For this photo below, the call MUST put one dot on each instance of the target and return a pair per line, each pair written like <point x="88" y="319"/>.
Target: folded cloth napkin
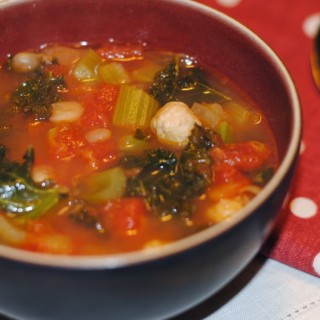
<point x="265" y="290"/>
<point x="288" y="27"/>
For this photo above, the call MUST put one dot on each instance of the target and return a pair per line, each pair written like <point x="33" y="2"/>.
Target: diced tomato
<point x="57" y="69"/>
<point x="228" y="182"/>
<point x="105" y="152"/>
<point x="245" y="156"/>
<point x="66" y="141"/>
<point x="98" y="106"/>
<point x="125" y="216"/>
<point x="121" y="52"/>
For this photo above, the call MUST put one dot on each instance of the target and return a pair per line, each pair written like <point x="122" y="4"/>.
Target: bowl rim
<point x="127" y="259"/>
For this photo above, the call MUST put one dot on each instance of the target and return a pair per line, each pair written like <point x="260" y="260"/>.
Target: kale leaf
<point x="169" y="183"/>
<point x="180" y="82"/>
<point x="18" y="194"/>
<point x="36" y="94"/>
<point x="262" y="175"/>
<point x="81" y="214"/>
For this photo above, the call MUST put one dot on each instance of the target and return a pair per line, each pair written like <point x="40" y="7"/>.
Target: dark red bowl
<point x="164" y="281"/>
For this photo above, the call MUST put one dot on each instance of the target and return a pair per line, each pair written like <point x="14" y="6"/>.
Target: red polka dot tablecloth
<point x="288" y="27"/>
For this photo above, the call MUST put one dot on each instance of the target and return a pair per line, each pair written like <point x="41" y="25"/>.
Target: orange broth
<point x="242" y="155"/>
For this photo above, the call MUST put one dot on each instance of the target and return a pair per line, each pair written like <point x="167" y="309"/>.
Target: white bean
<point x="26" y="61"/>
<point x="66" y="111"/>
<point x="96" y="135"/>
<point x="41" y="173"/>
<point x="66" y="56"/>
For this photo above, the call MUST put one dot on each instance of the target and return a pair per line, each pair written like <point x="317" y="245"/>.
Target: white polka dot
<point x="302" y="147"/>
<point x="228" y="3"/>
<point x="303" y="207"/>
<point x="311" y="24"/>
<point x="316" y="263"/>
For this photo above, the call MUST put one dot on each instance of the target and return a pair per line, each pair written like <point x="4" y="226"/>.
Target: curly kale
<point x="180" y="82"/>
<point x="168" y="182"/>
<point x="81" y="214"/>
<point x="19" y="195"/>
<point x="36" y="94"/>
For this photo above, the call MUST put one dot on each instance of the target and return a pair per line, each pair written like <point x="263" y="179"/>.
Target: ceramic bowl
<point x="163" y="282"/>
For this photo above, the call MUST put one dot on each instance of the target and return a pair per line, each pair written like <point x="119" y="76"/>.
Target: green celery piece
<point x="241" y="113"/>
<point x="10" y="233"/>
<point x="225" y="131"/>
<point x="130" y="143"/>
<point x="86" y="68"/>
<point x="113" y="73"/>
<point x="147" y="72"/>
<point x="102" y="186"/>
<point x="135" y="108"/>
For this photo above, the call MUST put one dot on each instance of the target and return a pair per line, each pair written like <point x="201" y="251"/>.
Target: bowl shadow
<point x="225" y="295"/>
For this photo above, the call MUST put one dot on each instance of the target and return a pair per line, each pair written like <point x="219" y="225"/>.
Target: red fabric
<point x="296" y="240"/>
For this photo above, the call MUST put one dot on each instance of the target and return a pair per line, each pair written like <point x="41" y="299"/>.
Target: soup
<point x="115" y="147"/>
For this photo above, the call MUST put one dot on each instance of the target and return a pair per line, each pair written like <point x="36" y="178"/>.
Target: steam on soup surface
<point x="117" y="148"/>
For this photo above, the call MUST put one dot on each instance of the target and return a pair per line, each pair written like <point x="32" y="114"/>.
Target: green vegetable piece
<point x="241" y="114"/>
<point x="36" y="94"/>
<point x="262" y="176"/>
<point x="146" y="73"/>
<point x="135" y="108"/>
<point x="103" y="186"/>
<point x="169" y="183"/>
<point x="131" y="144"/>
<point x="81" y="215"/>
<point x="180" y="82"/>
<point x="86" y="69"/>
<point x="113" y="73"/>
<point x="136" y="143"/>
<point x="165" y="83"/>
<point x="225" y="131"/>
<point x="10" y="233"/>
<point x="19" y="195"/>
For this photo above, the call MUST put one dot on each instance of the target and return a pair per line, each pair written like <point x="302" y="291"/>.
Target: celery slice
<point x="10" y="233"/>
<point x="113" y="73"/>
<point x="241" y="113"/>
<point x="147" y="72"/>
<point x="131" y="144"/>
<point x="86" y="68"/>
<point x="135" y="108"/>
<point x="225" y="131"/>
<point x="103" y="186"/>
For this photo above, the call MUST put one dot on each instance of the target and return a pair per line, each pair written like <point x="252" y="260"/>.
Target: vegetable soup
<point x="115" y="147"/>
